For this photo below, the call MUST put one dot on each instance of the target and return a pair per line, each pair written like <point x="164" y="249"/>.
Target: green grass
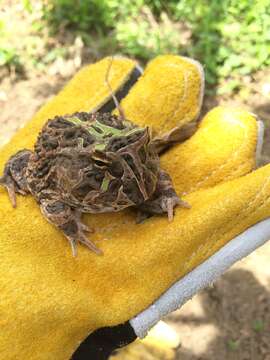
<point x="233" y="345"/>
<point x="258" y="325"/>
<point x="231" y="38"/>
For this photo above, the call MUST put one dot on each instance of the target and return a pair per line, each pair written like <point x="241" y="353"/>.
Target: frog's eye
<point x="100" y="163"/>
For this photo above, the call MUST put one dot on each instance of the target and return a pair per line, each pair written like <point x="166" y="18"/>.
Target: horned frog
<point x="92" y="163"/>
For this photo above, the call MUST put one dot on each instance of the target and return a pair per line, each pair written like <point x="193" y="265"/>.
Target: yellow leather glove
<point x="50" y="301"/>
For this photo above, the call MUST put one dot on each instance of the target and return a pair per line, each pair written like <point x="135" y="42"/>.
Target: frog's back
<point x="62" y="165"/>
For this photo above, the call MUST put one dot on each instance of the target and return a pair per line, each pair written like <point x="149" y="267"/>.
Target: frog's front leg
<point x="69" y="221"/>
<point x="14" y="177"/>
<point x="162" y="201"/>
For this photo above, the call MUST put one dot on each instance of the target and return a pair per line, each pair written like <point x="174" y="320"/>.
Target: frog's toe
<point x="85" y="241"/>
<point x="11" y="187"/>
<point x="184" y="204"/>
<point x="78" y="236"/>
<point x="73" y="244"/>
<point x="86" y="228"/>
<point x="168" y="206"/>
<point x="170" y="209"/>
<point x="14" y="179"/>
<point x="170" y="203"/>
<point x="22" y="192"/>
<point x="81" y="225"/>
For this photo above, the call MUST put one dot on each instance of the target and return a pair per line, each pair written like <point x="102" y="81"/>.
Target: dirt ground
<point x="230" y="320"/>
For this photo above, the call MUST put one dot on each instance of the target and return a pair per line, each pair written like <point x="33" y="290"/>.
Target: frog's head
<point x="124" y="164"/>
<point x="129" y="163"/>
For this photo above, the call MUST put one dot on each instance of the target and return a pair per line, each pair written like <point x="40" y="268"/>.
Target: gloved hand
<point x="50" y="301"/>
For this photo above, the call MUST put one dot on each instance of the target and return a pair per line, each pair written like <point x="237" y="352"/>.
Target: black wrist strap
<point x="103" y="342"/>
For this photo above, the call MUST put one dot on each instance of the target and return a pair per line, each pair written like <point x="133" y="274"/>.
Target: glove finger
<point x="224" y="147"/>
<point x="87" y="91"/>
<point x="168" y="94"/>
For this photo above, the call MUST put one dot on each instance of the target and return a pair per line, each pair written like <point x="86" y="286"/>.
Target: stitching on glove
<point x="200" y="249"/>
<point x="186" y="74"/>
<point x="232" y="175"/>
<point x="181" y="100"/>
<point x="234" y="170"/>
<point x="199" y="67"/>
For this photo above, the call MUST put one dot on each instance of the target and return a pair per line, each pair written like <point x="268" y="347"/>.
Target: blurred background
<point x="44" y="42"/>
